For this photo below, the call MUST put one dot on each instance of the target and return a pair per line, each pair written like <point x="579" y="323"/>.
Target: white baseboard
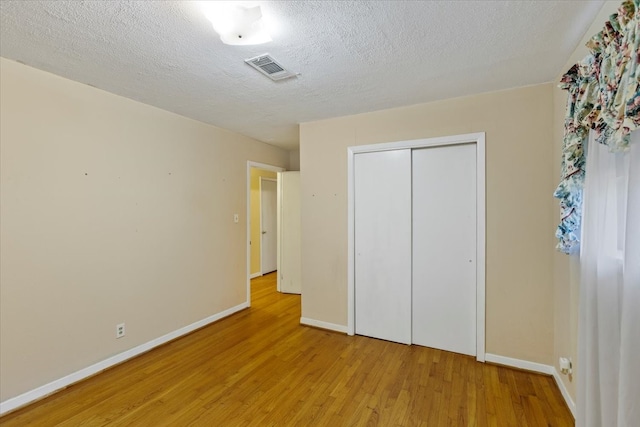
<point x="254" y="275"/>
<point x="52" y="387"/>
<point x="535" y="367"/>
<point x="565" y="393"/>
<point x="323" y="325"/>
<point x="520" y="364"/>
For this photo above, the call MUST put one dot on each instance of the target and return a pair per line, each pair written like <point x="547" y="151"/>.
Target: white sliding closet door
<point x="444" y="248"/>
<point x="382" y="208"/>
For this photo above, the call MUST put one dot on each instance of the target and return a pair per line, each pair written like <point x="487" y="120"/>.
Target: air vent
<point x="269" y="67"/>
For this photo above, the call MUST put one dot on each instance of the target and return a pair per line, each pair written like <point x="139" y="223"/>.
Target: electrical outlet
<point x="120" y="330"/>
<point x="566" y="366"/>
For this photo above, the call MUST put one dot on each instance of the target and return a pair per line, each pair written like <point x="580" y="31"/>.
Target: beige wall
<point x="294" y="160"/>
<point x="520" y="224"/>
<point x="112" y="211"/>
<point x="255" y="215"/>
<point x="566" y="269"/>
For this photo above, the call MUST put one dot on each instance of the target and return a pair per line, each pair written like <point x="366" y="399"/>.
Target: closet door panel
<point x="383" y="245"/>
<point x="444" y="248"/>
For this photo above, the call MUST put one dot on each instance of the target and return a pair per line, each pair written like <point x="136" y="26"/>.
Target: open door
<point x="268" y="226"/>
<point x="289" y="277"/>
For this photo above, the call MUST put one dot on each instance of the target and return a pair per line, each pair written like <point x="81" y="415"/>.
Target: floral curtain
<point x="603" y="95"/>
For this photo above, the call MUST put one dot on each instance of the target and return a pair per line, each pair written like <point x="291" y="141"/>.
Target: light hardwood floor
<point x="259" y="367"/>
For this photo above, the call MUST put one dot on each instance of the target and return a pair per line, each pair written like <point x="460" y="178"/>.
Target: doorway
<point x="268" y="225"/>
<point x="410" y="280"/>
<point x="255" y="171"/>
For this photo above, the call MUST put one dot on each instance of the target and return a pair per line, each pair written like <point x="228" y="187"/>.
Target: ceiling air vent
<point x="269" y="67"/>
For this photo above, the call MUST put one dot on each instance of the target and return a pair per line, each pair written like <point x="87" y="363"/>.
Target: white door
<point x="444" y="248"/>
<point x="382" y="209"/>
<point x="289" y="277"/>
<point x="268" y="225"/>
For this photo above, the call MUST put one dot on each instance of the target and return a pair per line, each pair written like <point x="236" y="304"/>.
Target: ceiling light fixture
<point x="238" y="23"/>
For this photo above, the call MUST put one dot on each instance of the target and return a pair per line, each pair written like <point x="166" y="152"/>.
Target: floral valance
<point x="603" y="96"/>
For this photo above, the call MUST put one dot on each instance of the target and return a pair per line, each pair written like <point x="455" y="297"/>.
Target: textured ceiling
<point x="353" y="56"/>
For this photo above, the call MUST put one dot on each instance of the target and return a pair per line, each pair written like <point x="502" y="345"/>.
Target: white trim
<point x="254" y="275"/>
<point x="279" y="230"/>
<point x="479" y="140"/>
<point x="52" y="387"/>
<point x="351" y="286"/>
<point x="535" y="367"/>
<point x="420" y="143"/>
<point x="565" y="393"/>
<point x="260" y="219"/>
<point x="263" y="166"/>
<point x="323" y="325"/>
<point x="480" y="246"/>
<point x="520" y="364"/>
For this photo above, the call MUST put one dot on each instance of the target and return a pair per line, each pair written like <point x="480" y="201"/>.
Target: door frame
<point x="472" y="138"/>
<point x="257" y="165"/>
<point x="261" y="235"/>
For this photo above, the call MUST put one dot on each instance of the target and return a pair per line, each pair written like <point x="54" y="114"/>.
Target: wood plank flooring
<point x="259" y="367"/>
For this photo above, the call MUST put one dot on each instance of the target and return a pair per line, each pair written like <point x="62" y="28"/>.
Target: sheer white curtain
<point x="609" y="322"/>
